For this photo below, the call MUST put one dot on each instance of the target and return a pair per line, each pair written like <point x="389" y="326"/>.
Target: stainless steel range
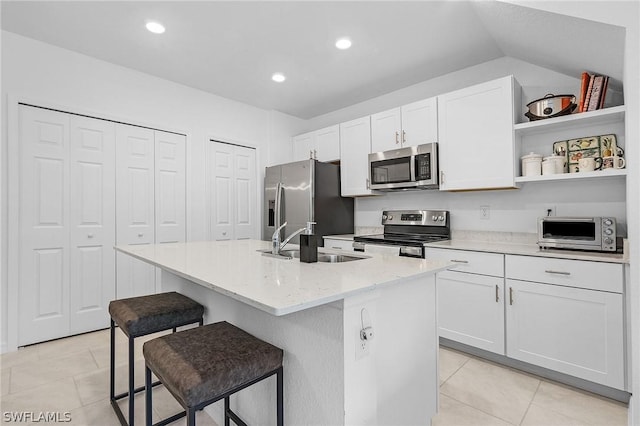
<point x="407" y="231"/>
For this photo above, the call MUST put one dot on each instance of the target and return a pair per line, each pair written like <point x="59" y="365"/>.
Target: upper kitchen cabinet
<point x="355" y="147"/>
<point x="410" y="125"/>
<point x="322" y="145"/>
<point x="476" y="136"/>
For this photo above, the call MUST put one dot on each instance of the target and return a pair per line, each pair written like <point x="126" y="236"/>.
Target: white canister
<point x="553" y="164"/>
<point x="531" y="164"/>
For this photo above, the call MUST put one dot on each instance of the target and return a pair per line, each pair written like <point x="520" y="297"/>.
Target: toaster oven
<point x="578" y="233"/>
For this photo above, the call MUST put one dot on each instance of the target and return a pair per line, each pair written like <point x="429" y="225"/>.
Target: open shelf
<point x="598" y="174"/>
<point x="607" y="115"/>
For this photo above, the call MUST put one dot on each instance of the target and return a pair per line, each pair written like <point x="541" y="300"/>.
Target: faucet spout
<point x="286" y="241"/>
<point x="275" y="240"/>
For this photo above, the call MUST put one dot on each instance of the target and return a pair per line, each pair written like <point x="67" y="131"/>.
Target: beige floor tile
<point x="73" y="344"/>
<point x="101" y="354"/>
<point x="498" y="391"/>
<point x="60" y="395"/>
<point x="21" y="356"/>
<point x="202" y="419"/>
<point x="539" y="416"/>
<point x="5" y="380"/>
<point x="587" y="408"/>
<point x="455" y="413"/>
<point x="164" y="403"/>
<point x="37" y="373"/>
<point x="450" y="361"/>
<point x="99" y="413"/>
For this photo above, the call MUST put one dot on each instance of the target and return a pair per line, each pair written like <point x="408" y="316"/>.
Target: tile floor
<point x="72" y="375"/>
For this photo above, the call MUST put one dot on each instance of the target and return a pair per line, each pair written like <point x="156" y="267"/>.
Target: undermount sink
<point x="322" y="256"/>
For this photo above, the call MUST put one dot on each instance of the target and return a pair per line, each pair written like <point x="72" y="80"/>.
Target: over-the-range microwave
<point x="578" y="233"/>
<point x="413" y="167"/>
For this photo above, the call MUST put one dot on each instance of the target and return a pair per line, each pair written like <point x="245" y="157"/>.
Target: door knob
<point x="89" y="235"/>
<point x="140" y="234"/>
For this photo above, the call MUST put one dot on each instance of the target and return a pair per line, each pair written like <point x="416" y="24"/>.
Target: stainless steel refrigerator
<point x="309" y="191"/>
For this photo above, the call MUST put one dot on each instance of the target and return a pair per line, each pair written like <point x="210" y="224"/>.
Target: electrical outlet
<point x="362" y="346"/>
<point x="549" y="210"/>
<point x="485" y="212"/>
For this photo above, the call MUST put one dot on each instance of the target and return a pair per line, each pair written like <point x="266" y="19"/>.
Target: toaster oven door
<point x="571" y="233"/>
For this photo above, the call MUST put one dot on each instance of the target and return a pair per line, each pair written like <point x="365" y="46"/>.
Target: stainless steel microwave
<point x="413" y="167"/>
<point x="578" y="233"/>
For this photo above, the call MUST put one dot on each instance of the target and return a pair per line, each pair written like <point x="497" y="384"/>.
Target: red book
<point x="588" y="94"/>
<point x="603" y="92"/>
<point x="596" y="91"/>
<point x="584" y="83"/>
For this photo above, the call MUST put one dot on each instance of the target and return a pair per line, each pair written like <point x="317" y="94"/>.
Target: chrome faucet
<point x="276" y="245"/>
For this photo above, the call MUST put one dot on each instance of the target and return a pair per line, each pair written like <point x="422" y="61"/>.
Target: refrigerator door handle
<point x="278" y="218"/>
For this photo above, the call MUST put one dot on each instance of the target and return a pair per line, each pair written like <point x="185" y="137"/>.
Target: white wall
<point x="41" y="72"/>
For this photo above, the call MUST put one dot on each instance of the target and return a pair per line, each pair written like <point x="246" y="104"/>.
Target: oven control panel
<point x="416" y="217"/>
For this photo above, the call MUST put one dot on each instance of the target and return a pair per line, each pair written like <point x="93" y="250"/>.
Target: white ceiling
<point x="232" y="48"/>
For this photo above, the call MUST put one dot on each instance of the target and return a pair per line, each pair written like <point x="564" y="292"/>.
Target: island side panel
<point x="313" y="346"/>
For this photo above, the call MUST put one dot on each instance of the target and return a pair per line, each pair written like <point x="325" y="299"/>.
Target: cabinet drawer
<point x="470" y="261"/>
<point x="571" y="273"/>
<point x="338" y="244"/>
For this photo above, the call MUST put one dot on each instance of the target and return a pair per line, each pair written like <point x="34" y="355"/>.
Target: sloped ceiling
<point x="232" y="48"/>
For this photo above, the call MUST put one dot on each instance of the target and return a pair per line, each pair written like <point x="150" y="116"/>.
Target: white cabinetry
<point x="410" y="125"/>
<point x="322" y="145"/>
<point x="470" y="298"/>
<point x="567" y="316"/>
<point x="150" y="200"/>
<point x="355" y="147"/>
<point x="476" y="137"/>
<point x="338" y="244"/>
<point x="66" y="224"/>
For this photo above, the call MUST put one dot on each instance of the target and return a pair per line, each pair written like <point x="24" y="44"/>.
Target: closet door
<point x="232" y="192"/>
<point x="170" y="187"/>
<point x="92" y="223"/>
<point x="44" y="225"/>
<point x="134" y="207"/>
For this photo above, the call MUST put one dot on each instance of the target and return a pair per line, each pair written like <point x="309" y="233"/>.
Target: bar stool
<point x="202" y="365"/>
<point x="139" y="316"/>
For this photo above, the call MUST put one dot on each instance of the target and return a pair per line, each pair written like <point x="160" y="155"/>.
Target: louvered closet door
<point x="92" y="223"/>
<point x="134" y="207"/>
<point x="170" y="187"/>
<point x="44" y="225"/>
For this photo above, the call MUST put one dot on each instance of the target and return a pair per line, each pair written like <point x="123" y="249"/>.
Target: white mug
<point x="590" y="164"/>
<point x="613" y="162"/>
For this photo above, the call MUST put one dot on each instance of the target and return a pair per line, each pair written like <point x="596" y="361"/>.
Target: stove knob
<point x="434" y="218"/>
<point x="608" y="240"/>
<point x="441" y="218"/>
<point x="608" y="231"/>
<point x="390" y="217"/>
<point x="607" y="222"/>
<point x="384" y="217"/>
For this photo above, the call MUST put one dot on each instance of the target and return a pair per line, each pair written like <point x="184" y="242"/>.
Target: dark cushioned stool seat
<point x="201" y="365"/>
<point x="138" y="316"/>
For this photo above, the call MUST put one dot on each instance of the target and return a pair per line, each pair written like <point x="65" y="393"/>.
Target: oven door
<point x="570" y="233"/>
<point x="405" y="168"/>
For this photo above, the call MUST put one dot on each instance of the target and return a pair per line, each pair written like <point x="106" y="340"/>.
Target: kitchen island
<point x="315" y="312"/>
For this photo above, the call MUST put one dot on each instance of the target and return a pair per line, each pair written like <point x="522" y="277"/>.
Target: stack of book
<point x="593" y="89"/>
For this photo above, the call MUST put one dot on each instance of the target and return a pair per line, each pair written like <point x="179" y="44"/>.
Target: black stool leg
<point x="226" y="411"/>
<point x="280" y="407"/>
<point x="112" y="362"/>
<point x="191" y="416"/>
<point x="148" y="389"/>
<point x="131" y="382"/>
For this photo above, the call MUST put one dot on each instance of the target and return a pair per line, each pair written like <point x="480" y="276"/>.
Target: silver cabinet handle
<point x="368" y="186"/>
<point x="404" y="136"/>
<point x="310" y="154"/>
<point x="441" y="176"/>
<point x="459" y="261"/>
<point x="397" y="140"/>
<point x="511" y="295"/>
<point x="140" y="234"/>
<point x="89" y="235"/>
<point x="315" y="154"/>
<point x="497" y="293"/>
<point x="549" y="271"/>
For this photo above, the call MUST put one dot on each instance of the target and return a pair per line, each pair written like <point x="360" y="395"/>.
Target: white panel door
<point x="385" y="130"/>
<point x="134" y="207"/>
<point x="44" y="225"/>
<point x="170" y="187"/>
<point x="575" y="331"/>
<point x="232" y="192"/>
<point x="92" y="223"/>
<point x="355" y="147"/>
<point x="471" y="309"/>
<point x="420" y="122"/>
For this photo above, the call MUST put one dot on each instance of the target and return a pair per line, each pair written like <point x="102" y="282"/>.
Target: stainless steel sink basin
<point x="322" y="256"/>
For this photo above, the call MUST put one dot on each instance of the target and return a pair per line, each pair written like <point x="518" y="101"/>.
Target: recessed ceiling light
<point x="278" y="77"/>
<point x="343" y="43"/>
<point x="155" y="27"/>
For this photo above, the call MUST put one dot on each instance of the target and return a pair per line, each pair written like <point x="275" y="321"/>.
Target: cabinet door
<point x="135" y="221"/>
<point x="571" y="330"/>
<point x="170" y="187"/>
<point x="303" y="146"/>
<point x="337" y="244"/>
<point x="471" y="309"/>
<point x="385" y="130"/>
<point x="355" y="147"/>
<point x="328" y="144"/>
<point x="420" y="122"/>
<point x="92" y="223"/>
<point x="476" y="136"/>
<point x="44" y="225"/>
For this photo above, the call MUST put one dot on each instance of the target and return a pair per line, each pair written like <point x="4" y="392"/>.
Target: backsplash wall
<point x="514" y="210"/>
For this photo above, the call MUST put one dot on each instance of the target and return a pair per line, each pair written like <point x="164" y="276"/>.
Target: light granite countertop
<point x="278" y="286"/>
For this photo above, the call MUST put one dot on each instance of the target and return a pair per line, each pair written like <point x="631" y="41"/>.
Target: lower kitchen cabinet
<point x="471" y="310"/>
<point x="338" y="244"/>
